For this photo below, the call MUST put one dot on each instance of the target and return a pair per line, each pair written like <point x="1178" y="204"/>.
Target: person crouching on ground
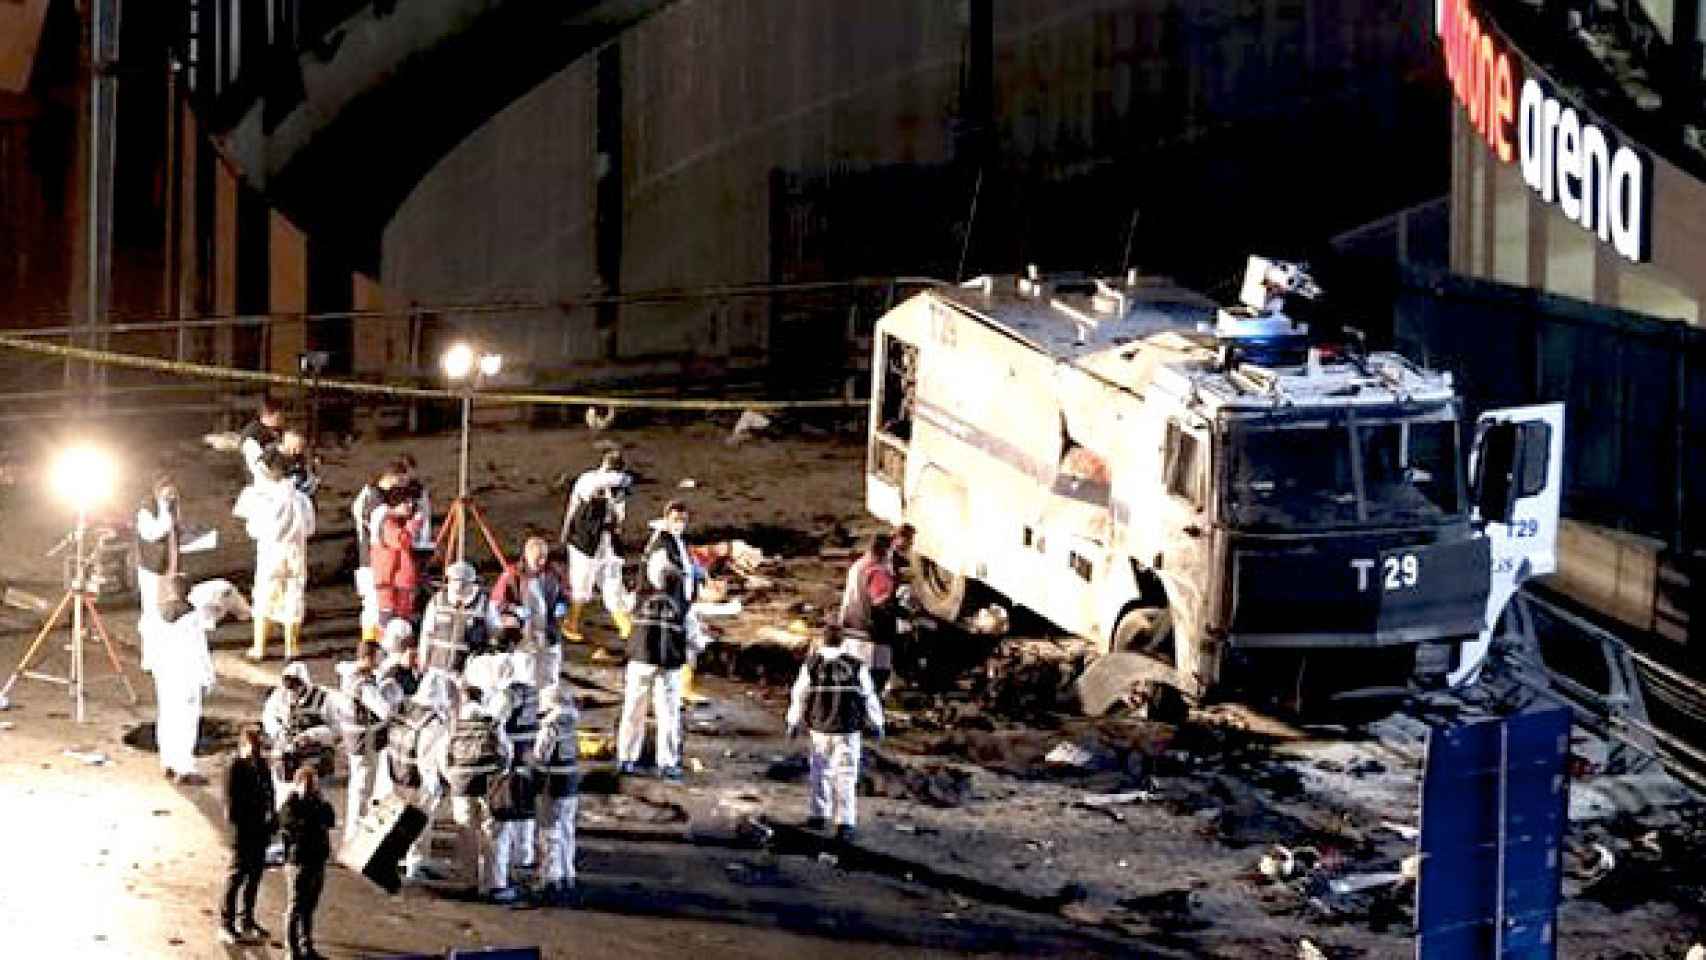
<point x="666" y="636"/>
<point x="835" y="700"/>
<point x="249" y="812"/>
<point x="306" y="821"/>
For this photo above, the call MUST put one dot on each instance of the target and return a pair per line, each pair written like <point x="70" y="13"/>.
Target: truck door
<point x="894" y="383"/>
<point x="1516" y="478"/>
<point x="1183" y="560"/>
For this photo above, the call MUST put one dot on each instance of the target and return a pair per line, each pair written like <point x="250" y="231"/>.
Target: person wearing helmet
<point x="556" y="756"/>
<point x="458" y="622"/>
<point x="592" y="528"/>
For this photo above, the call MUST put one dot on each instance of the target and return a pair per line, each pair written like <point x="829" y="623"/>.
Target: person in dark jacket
<point x="666" y="636"/>
<point x="306" y="820"/>
<point x="249" y="811"/>
<point x="835" y="700"/>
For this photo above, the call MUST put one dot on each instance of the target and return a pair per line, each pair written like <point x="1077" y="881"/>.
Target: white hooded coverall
<point x="177" y="656"/>
<point x="360" y="690"/>
<point x="280" y="518"/>
<point x="559" y="797"/>
<point x="601" y="572"/>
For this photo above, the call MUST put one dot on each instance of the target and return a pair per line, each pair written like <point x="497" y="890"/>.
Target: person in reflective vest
<point x="868" y="609"/>
<point x="556" y="770"/>
<point x="591" y="532"/>
<point x="458" y="622"/>
<point x="297" y="719"/>
<point x="534" y="592"/>
<point x="835" y="701"/>
<point x="416" y="750"/>
<point x="160" y="536"/>
<point x="666" y="635"/>
<point x="364" y="721"/>
<point x="400" y="671"/>
<point x="668" y="548"/>
<point x="518" y="704"/>
<point x="475" y="752"/>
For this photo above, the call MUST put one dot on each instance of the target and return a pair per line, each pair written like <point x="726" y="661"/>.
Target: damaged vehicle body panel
<point x="1098" y="452"/>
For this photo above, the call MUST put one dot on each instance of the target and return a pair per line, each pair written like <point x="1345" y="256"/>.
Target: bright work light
<point x="459" y="361"/>
<point x="83" y="476"/>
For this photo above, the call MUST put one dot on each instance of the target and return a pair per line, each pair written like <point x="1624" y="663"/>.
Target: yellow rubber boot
<point x="624" y="624"/>
<point x="572" y="623"/>
<point x="292" y="638"/>
<point x="688" y="694"/>
<point x="259" y="650"/>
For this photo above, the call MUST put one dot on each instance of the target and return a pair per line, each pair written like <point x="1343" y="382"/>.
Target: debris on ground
<point x="687" y="483"/>
<point x="93" y="758"/>
<point x="1112" y="679"/>
<point x="1284" y="863"/>
<point x="1307" y="950"/>
<point x="750" y="422"/>
<point x="1069" y="754"/>
<point x="991" y="621"/>
<point x="598" y="421"/>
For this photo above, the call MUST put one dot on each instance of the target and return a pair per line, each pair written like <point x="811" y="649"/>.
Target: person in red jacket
<point x="396" y="573"/>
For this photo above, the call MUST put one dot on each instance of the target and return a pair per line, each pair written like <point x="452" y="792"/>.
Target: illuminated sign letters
<point x="1566" y="158"/>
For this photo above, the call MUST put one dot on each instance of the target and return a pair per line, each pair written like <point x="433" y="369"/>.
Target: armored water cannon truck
<point x="1146" y="469"/>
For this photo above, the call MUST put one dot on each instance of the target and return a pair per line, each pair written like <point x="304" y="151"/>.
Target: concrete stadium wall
<point x="737" y="118"/>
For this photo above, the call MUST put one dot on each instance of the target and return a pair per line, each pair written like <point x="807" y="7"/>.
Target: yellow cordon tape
<point x="487" y="397"/>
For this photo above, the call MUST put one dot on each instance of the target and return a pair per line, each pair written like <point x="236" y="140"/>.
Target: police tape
<point x="487" y="397"/>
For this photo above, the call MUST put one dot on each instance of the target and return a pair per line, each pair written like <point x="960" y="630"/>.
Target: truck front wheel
<point x="940" y="592"/>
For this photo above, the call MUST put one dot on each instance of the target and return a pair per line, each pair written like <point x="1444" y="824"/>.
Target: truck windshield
<point x="1341" y="473"/>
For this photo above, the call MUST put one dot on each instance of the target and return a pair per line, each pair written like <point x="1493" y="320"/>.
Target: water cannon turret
<point x="1268" y="282"/>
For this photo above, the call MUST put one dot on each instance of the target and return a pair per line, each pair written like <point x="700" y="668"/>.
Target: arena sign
<point x="1566" y="158"/>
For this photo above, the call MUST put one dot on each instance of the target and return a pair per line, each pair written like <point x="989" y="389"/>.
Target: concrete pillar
<point x="287" y="279"/>
<point x="224" y="257"/>
<point x="381" y="343"/>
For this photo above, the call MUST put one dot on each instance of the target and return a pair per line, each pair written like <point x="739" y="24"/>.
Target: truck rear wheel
<point x="1143" y="630"/>
<point x="941" y="593"/>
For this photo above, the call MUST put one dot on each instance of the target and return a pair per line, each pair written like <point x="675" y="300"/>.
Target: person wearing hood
<point x="668" y="548"/>
<point x="666" y="636"/>
<point x="835" y="701"/>
<point x="364" y="716"/>
<point x="415" y="755"/>
<point x="556" y="772"/>
<point x="515" y="699"/>
<point x="459" y="621"/>
<point x="177" y="657"/>
<point x="476" y="752"/>
<point x="396" y="523"/>
<point x="535" y="594"/>
<point x="280" y="518"/>
<point x="400" y="670"/>
<point x="298" y="718"/>
<point x="592" y="527"/>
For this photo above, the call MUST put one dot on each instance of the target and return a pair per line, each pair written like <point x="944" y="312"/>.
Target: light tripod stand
<point x="466" y="366"/>
<point x="81" y="601"/>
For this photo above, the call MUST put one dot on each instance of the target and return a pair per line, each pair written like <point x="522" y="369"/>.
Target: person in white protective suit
<point x="475" y="753"/>
<point x="364" y="711"/>
<point x="280" y="518"/>
<point x="459" y="621"/>
<point x="592" y="522"/>
<point x="515" y="700"/>
<point x="176" y="655"/>
<point x="415" y="753"/>
<point x="666" y="636"/>
<point x="298" y="716"/>
<point x="835" y="700"/>
<point x="556" y="771"/>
